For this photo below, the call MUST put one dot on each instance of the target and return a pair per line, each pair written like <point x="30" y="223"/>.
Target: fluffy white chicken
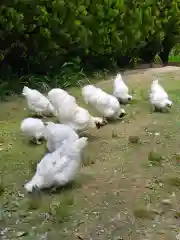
<point x="107" y="105"/>
<point x="71" y="114"/>
<point x="58" y="168"/>
<point x="121" y="91"/>
<point x="55" y="134"/>
<point x="37" y="102"/>
<point x="89" y="92"/>
<point x="57" y="95"/>
<point x="33" y="129"/>
<point x="158" y="97"/>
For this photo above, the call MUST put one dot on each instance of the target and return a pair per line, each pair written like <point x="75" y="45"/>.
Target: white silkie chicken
<point x="71" y="114"/>
<point x="33" y="129"/>
<point x="58" y="168"/>
<point x="55" y="134"/>
<point x="107" y="105"/>
<point x="121" y="91"/>
<point x="37" y="102"/>
<point x="158" y="97"/>
<point x="56" y="95"/>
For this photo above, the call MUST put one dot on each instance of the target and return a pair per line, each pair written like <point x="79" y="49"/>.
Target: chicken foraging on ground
<point x="33" y="129"/>
<point x="58" y="168"/>
<point x="158" y="97"/>
<point x="121" y="90"/>
<point x="38" y="103"/>
<point x="71" y="114"/>
<point x="55" y="134"/>
<point x="106" y="104"/>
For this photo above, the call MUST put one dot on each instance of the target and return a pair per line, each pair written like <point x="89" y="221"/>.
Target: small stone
<point x="173" y="194"/>
<point x="21" y="234"/>
<point x="118" y="238"/>
<point x="166" y="202"/>
<point x="20" y="195"/>
<point x="173" y="227"/>
<point x="156" y="211"/>
<point x="156" y="134"/>
<point x="178" y="236"/>
<point x="149" y="184"/>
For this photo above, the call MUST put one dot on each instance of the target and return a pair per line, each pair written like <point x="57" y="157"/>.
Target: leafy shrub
<point x="38" y="37"/>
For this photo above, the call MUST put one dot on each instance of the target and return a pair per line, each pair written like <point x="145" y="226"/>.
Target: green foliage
<point x="173" y="58"/>
<point x="157" y="60"/>
<point x="176" y="50"/>
<point x="43" y="36"/>
<point x="62" y="211"/>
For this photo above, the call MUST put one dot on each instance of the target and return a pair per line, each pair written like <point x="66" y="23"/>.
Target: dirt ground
<point x="121" y="191"/>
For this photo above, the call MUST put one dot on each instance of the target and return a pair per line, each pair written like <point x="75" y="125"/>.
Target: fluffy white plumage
<point x="58" y="168"/>
<point x="121" y="91"/>
<point x="33" y="128"/>
<point x="158" y="97"/>
<point x="89" y="93"/>
<point x="55" y="134"/>
<point x="37" y="102"/>
<point x="107" y="105"/>
<point x="57" y="95"/>
<point x="70" y="113"/>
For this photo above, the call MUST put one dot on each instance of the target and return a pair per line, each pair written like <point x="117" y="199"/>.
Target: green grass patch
<point x="174" y="58"/>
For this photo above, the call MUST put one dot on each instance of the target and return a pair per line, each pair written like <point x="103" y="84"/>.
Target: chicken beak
<point x="105" y="121"/>
<point x="122" y="115"/>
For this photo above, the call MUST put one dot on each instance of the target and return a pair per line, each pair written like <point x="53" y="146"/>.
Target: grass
<point x="155" y="158"/>
<point x="117" y="175"/>
<point x="174" y="58"/>
<point x="143" y="213"/>
<point x="174" y="181"/>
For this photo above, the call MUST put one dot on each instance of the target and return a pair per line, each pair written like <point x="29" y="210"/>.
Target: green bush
<point x="38" y="37"/>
